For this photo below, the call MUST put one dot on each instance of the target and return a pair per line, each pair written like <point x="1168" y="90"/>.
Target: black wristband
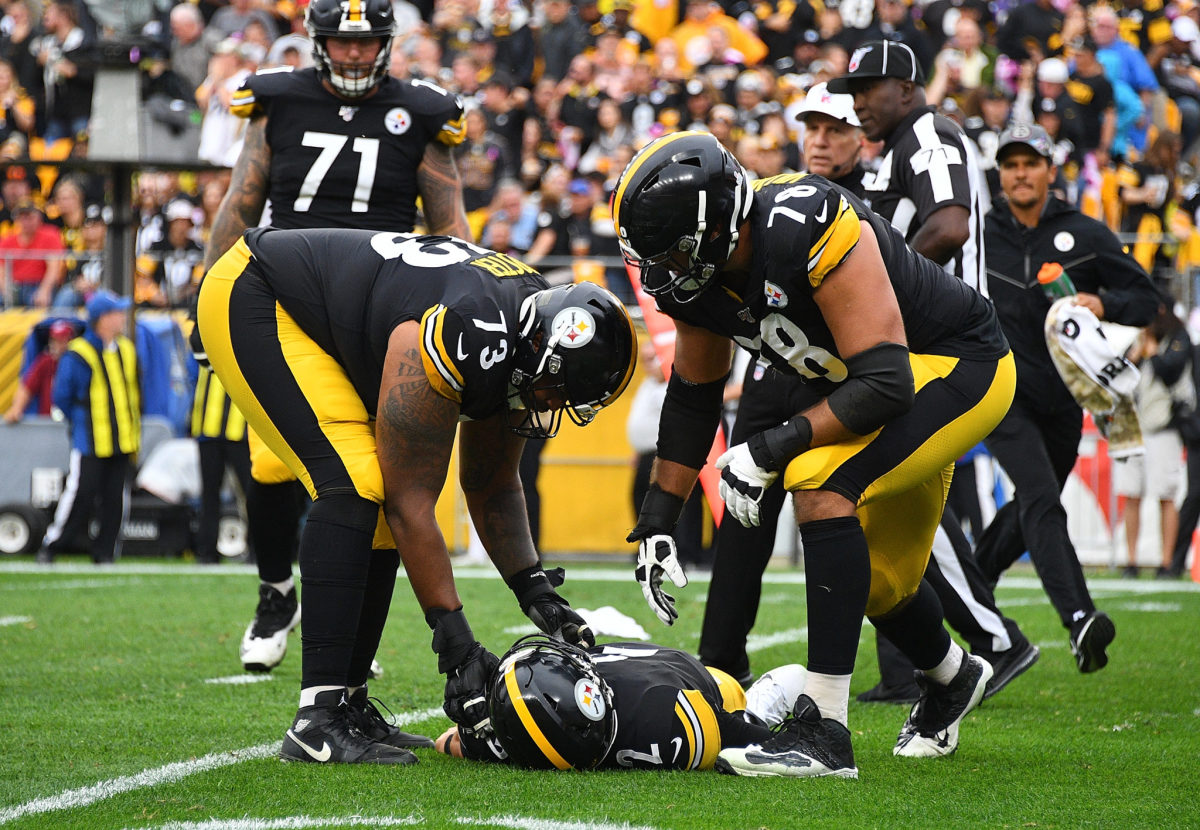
<point x="660" y="510"/>
<point x="529" y="584"/>
<point x="452" y="637"/>
<point x="774" y="448"/>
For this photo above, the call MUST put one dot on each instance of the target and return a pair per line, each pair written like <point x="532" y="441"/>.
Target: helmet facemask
<point x="575" y="352"/>
<point x="353" y="80"/>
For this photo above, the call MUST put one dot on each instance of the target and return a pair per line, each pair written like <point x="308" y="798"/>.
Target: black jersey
<point x="349" y="289"/>
<point x="803" y="226"/>
<point x="341" y="164"/>
<point x="929" y="164"/>
<point x="669" y="711"/>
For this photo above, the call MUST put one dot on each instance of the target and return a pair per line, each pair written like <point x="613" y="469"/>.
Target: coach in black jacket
<point x="1037" y="442"/>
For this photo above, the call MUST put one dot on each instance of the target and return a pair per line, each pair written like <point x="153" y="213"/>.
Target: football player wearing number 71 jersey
<point x="339" y="145"/>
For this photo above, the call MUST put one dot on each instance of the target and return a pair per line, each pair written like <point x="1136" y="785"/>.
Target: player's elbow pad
<point x="879" y="388"/>
<point x="690" y="415"/>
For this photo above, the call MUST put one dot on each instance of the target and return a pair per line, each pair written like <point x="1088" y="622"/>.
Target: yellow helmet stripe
<point x="636" y="162"/>
<point x="535" y="732"/>
<point x="355" y="12"/>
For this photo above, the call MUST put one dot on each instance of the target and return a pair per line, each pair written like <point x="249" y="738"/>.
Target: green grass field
<point x="111" y="718"/>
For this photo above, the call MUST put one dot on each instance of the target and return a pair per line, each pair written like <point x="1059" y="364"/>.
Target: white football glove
<point x="657" y="557"/>
<point x="743" y="484"/>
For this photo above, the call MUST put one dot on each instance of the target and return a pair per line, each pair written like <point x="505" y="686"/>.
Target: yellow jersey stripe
<point x="535" y="731"/>
<point x="453" y="132"/>
<point x="635" y="163"/>
<point x="689" y="729"/>
<point x="835" y="244"/>
<point x="706" y="730"/>
<point x="443" y="375"/>
<point x="243" y="103"/>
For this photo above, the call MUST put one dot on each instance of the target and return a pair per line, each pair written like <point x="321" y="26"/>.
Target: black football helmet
<point x="577" y="339"/>
<point x="350" y="18"/>
<point x="549" y="706"/>
<point x="684" y="194"/>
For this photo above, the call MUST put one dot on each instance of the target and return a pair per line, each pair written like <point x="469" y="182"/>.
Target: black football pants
<point x="1037" y="450"/>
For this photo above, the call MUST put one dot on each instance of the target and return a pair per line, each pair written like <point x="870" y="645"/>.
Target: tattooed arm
<point x="414" y="435"/>
<point x="489" y="454"/>
<point x="243" y="204"/>
<point x="441" y="192"/>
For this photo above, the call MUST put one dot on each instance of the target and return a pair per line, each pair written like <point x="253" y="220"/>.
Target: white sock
<point x="308" y="697"/>
<point x="831" y="693"/>
<point x="944" y="671"/>
<point x="283" y="587"/>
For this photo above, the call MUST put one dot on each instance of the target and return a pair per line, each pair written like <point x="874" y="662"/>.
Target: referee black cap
<point x="880" y="59"/>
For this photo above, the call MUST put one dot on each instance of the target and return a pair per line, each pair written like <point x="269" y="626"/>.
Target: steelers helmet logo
<point x="397" y="121"/>
<point x="589" y="699"/>
<point x="575" y="327"/>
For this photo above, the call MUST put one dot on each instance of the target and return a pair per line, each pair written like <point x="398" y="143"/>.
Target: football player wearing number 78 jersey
<point x="338" y="145"/>
<point x="905" y="369"/>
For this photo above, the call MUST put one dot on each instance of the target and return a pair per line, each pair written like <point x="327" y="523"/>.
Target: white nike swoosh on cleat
<point x="320" y="757"/>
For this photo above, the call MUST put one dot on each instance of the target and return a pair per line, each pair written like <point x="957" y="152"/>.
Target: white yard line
<point x="291" y="823"/>
<point x="239" y="679"/>
<point x="170" y="773"/>
<point x="757" y="642"/>
<point x="15" y="620"/>
<point x="531" y="823"/>
<point x="576" y="573"/>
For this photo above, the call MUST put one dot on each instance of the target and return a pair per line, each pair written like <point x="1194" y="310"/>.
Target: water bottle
<point x="1055" y="282"/>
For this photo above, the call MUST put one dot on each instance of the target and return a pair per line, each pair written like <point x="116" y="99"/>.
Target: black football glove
<point x="468" y="667"/>
<point x="534" y="588"/>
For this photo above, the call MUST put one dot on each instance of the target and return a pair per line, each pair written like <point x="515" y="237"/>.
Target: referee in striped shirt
<point x="929" y="184"/>
<point x="931" y="188"/>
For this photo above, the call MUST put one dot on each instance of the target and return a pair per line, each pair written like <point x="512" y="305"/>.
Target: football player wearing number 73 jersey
<point x="339" y="145"/>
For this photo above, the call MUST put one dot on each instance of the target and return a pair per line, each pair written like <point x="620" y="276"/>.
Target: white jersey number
<point x="331" y="145"/>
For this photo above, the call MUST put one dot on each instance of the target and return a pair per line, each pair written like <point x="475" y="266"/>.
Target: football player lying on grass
<point x="555" y="705"/>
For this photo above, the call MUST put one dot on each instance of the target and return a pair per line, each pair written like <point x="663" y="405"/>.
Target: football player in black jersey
<point x="907" y="369"/>
<point x="354" y="355"/>
<point x="620" y="705"/>
<point x="341" y="144"/>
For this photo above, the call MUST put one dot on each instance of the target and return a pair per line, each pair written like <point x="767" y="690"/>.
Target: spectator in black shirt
<point x="1092" y="95"/>
<point x="68" y="62"/>
<point x="1031" y="31"/>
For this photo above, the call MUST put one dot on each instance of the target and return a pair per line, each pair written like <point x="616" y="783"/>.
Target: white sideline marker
<point x="15" y="620"/>
<point x="239" y="679"/>
<point x="531" y="823"/>
<point x="757" y="642"/>
<point x="291" y="823"/>
<point x="168" y="774"/>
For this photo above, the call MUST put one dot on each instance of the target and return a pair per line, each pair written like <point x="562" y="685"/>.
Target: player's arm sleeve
<point x="698" y="718"/>
<point x="453" y="130"/>
<point x="248" y="100"/>
<point x="834" y="239"/>
<point x="441" y="332"/>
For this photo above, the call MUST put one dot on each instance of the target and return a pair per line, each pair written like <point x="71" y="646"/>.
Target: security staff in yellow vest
<point x="97" y="388"/>
<point x="220" y="432"/>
